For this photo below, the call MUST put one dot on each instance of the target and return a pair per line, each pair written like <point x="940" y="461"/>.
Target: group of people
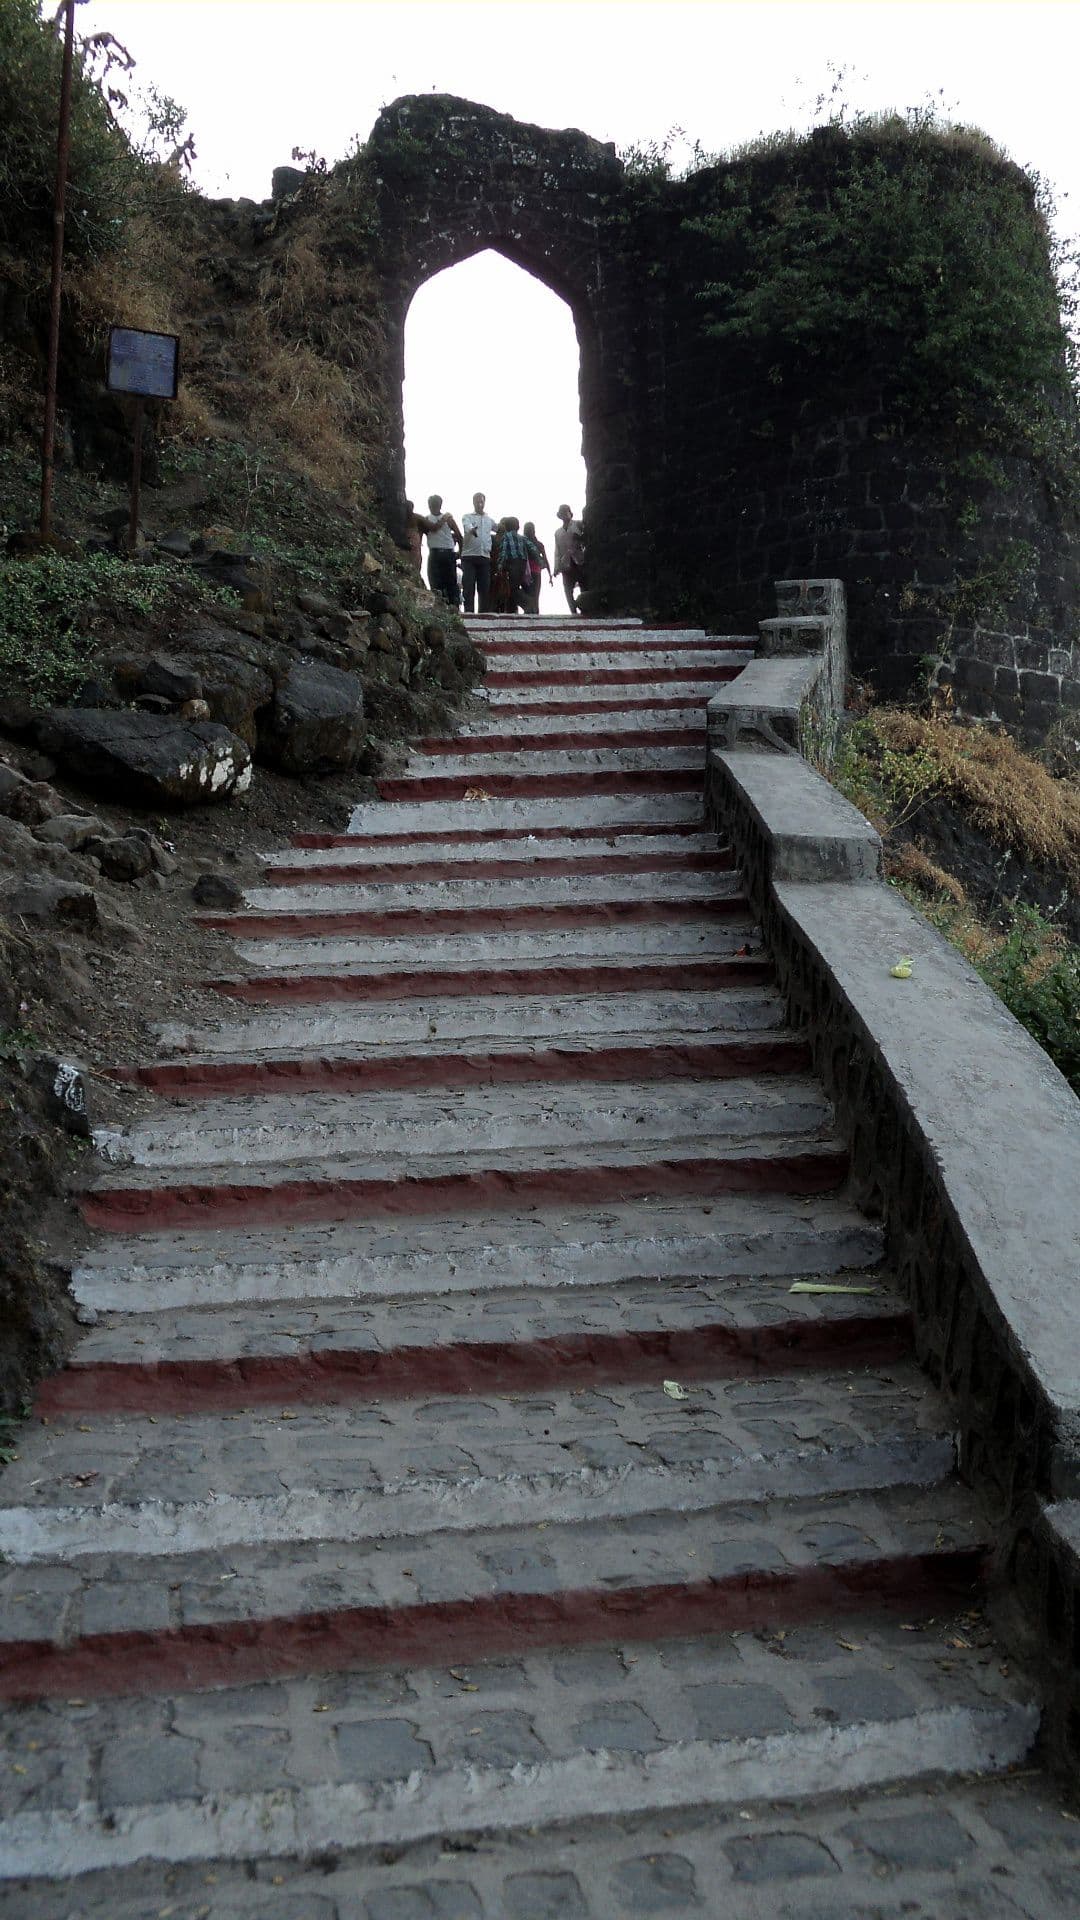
<point x="502" y="563"/>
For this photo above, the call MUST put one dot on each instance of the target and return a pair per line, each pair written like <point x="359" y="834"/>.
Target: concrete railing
<point x="964" y="1137"/>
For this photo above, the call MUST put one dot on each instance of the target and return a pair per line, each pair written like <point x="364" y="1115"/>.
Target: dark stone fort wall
<point x="746" y="482"/>
<point x="707" y="479"/>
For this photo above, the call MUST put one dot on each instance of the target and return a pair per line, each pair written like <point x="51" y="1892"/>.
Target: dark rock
<point x="176" y="544"/>
<point x="70" y="830"/>
<point x="66" y="902"/>
<point x="285" y="181"/>
<point x="317" y="604"/>
<point x="95" y="693"/>
<point x="146" y="758"/>
<point x="153" y="703"/>
<point x="217" y="890"/>
<point x="17" y="717"/>
<point x="316" y="722"/>
<point x="126" y="857"/>
<point x="29" y="801"/>
<point x="63" y="1088"/>
<point x="176" y="680"/>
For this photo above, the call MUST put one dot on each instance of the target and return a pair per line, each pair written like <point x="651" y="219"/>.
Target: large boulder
<point x="316" y="722"/>
<point x="236" y="673"/>
<point x="147" y="759"/>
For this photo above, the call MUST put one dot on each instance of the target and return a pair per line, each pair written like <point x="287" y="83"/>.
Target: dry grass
<point x="1007" y="794"/>
<point x="911" y="866"/>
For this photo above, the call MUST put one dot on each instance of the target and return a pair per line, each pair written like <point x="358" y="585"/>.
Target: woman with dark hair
<point x="538" y="563"/>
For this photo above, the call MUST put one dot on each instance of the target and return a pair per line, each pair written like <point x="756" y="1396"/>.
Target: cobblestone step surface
<point x="996" y="1849"/>
<point x="392" y="1757"/>
<point x="495" y="1482"/>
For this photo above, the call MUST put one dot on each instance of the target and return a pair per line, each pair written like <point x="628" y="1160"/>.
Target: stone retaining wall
<point x="964" y="1137"/>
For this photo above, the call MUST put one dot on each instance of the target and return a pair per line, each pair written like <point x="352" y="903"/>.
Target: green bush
<point x="1039" y="982"/>
<point x="102" y="168"/>
<point x="53" y="607"/>
<point x="902" y="245"/>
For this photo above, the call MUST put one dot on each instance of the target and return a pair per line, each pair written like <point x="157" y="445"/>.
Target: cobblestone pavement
<point x="445" y="1519"/>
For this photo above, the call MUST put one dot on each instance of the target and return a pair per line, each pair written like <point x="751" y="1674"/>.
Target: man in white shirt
<point x="443" y="535"/>
<point x="478" y="532"/>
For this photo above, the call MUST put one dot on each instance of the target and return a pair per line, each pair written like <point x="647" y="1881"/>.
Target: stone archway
<point x="454" y="179"/>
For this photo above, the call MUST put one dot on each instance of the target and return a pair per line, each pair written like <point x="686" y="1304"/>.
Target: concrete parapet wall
<point x="965" y="1139"/>
<point x="791" y="697"/>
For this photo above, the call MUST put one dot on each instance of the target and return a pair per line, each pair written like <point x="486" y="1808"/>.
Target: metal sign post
<point x="63" y="150"/>
<point x="147" y="366"/>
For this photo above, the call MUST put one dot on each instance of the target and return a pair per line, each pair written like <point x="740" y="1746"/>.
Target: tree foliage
<point x="899" y="245"/>
<point x="103" y="165"/>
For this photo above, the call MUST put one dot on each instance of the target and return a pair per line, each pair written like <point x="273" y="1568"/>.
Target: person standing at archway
<point x="443" y="537"/>
<point x="538" y="565"/>
<point x="478" y="532"/>
<point x="570" y="554"/>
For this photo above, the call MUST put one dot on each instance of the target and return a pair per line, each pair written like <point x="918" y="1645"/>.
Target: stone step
<point x="392" y="1468"/>
<point x="454" y="1021"/>
<point x="299" y="1769"/>
<point x="277" y="919"/>
<point x="946" y="1846"/>
<point x="480" y="623"/>
<point x="352" y="892"/>
<point x="524" y="702"/>
<point x="618" y="853"/>
<point x="615" y="670"/>
<point x="548" y="762"/>
<point x="552" y="643"/>
<point x="702" y="662"/>
<point x="536" y="863"/>
<point x="699" y="938"/>
<point x="600" y="813"/>
<point x="247" y="1130"/>
<point x="700" y="878"/>
<point x="668" y="1241"/>
<point x="489" y="742"/>
<point x="371" y="1070"/>
<point x="574" y="782"/>
<point x="248" y="1613"/>
<point x="504" y="1339"/>
<point x="470" y="1182"/>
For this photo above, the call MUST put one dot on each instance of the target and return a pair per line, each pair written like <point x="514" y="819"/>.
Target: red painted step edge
<point x="333" y="1374"/>
<point x="689" y="975"/>
<point x="607" y="676"/>
<point x="457" y="836"/>
<point x="293" y="1202"/>
<point x="446" y="1633"/>
<point x="671" y="703"/>
<point x="696" y="1060"/>
<point x="540" y="786"/>
<point x="534" y="642"/>
<point x="611" y="865"/>
<point x="429" y="920"/>
<point x="566" y="740"/>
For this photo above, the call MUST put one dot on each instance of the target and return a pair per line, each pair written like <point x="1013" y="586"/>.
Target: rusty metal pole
<point x="136" y="476"/>
<point x="63" y="150"/>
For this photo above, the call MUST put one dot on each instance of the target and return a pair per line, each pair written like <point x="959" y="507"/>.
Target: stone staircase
<point x="470" y="1499"/>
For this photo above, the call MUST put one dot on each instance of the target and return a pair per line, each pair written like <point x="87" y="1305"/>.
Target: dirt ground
<point x="92" y="996"/>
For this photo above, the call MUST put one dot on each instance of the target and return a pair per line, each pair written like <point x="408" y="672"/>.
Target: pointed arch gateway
<point x="454" y="179"/>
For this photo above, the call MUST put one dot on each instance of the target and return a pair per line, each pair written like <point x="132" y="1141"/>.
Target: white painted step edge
<point x="305" y="1821"/>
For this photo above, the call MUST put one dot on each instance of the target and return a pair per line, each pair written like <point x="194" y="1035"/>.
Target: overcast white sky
<point x="260" y="77"/>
